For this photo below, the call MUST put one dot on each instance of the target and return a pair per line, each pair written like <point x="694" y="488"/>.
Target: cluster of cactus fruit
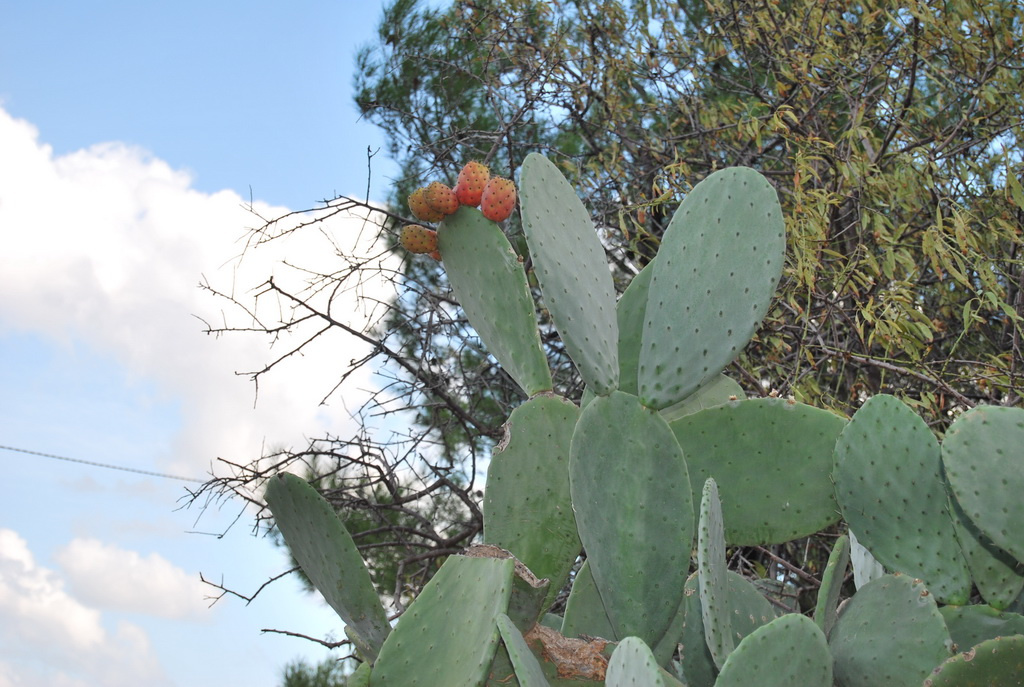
<point x="475" y="187"/>
<point x="664" y="463"/>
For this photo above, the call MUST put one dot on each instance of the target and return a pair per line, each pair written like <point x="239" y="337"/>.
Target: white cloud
<point x="109" y="577"/>
<point x="107" y="245"/>
<point x="35" y="598"/>
<point x="48" y="637"/>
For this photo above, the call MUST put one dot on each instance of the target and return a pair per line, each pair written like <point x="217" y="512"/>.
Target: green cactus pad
<point x="998" y="576"/>
<point x="667" y="645"/>
<point x="324" y="549"/>
<point x="997" y="661"/>
<point x="359" y="678"/>
<point x="719" y="391"/>
<point x="448" y="636"/>
<point x="888" y="475"/>
<point x="552" y="620"/>
<point x="890" y="633"/>
<point x="717" y="268"/>
<point x="489" y="282"/>
<point x="527" y="506"/>
<point x="748" y="610"/>
<point x="832" y="585"/>
<point x="698" y="665"/>
<point x="630" y="314"/>
<point x="970" y="625"/>
<point x="526" y="603"/>
<point x="634" y="511"/>
<point x="572" y="270"/>
<point x="528" y="670"/>
<point x="985" y="468"/>
<point x="772" y="461"/>
<point x="714" y="595"/>
<point x="633" y="664"/>
<point x="790" y="650"/>
<point x="584" y="609"/>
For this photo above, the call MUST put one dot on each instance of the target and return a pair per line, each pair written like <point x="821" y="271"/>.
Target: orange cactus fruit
<point x="498" y="199"/>
<point x="421" y="209"/>
<point x="418" y="239"/>
<point x="441" y="198"/>
<point x="471" y="182"/>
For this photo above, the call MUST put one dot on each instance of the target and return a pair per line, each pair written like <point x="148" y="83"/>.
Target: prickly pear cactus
<point x="982" y="443"/>
<point x="772" y="462"/>
<point x="889" y="485"/>
<point x="527" y="507"/>
<point x="716" y="271"/>
<point x="618" y="482"/>
<point x="572" y="270"/>
<point x="970" y="625"/>
<point x="490" y="283"/>
<point x="584" y="609"/>
<point x="631" y="493"/>
<point x="449" y="634"/>
<point x="891" y="633"/>
<point x="712" y="573"/>
<point x="826" y="609"/>
<point x="747" y="610"/>
<point x="998" y="661"/>
<point x="524" y="663"/>
<point x="324" y="549"/>
<point x="632" y="663"/>
<point x="790" y="650"/>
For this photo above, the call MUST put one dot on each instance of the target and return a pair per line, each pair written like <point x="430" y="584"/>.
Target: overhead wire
<point x="108" y="466"/>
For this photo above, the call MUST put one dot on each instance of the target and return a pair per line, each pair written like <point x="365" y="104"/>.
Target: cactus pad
<point x="719" y="263"/>
<point x="719" y="391"/>
<point x="832" y="585"/>
<point x="790" y="650"/>
<point x="888" y="475"/>
<point x="584" y="610"/>
<point x="632" y="664"/>
<point x="572" y="270"/>
<point x="748" y="610"/>
<point x="449" y="634"/>
<point x="772" y="461"/>
<point x="714" y="595"/>
<point x="890" y="633"/>
<point x="324" y="549"/>
<point x="985" y="468"/>
<point x="970" y="625"/>
<point x="998" y="576"/>
<point x="630" y="315"/>
<point x="527" y="507"/>
<point x="634" y="511"/>
<point x="489" y="282"/>
<point x="997" y="661"/>
<point x="527" y="669"/>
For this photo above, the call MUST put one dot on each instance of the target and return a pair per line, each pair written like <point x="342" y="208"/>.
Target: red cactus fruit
<point x="441" y="198"/>
<point x="421" y="209"/>
<point x="417" y="239"/>
<point x="498" y="199"/>
<point x="471" y="182"/>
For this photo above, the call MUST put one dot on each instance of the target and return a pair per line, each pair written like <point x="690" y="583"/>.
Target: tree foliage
<point x="892" y="132"/>
<point x="327" y="673"/>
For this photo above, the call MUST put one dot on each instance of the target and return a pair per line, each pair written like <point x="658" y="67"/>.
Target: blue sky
<point x="130" y="137"/>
